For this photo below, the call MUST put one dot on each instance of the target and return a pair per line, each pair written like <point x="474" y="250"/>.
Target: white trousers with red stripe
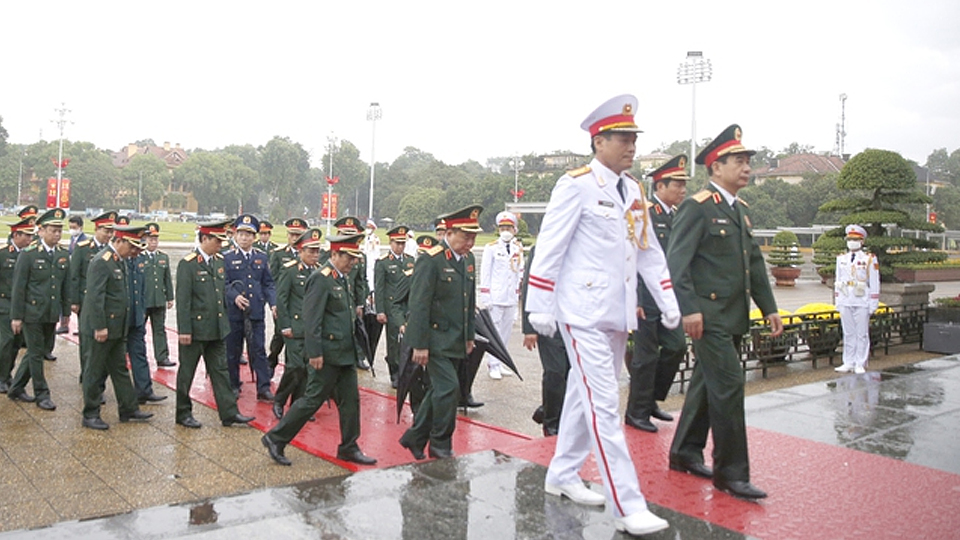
<point x="591" y="419"/>
<point x="855" y="321"/>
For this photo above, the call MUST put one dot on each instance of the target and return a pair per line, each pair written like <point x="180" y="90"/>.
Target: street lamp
<point x="62" y="112"/>
<point x="373" y="114"/>
<point x="694" y="69"/>
<point x="516" y="163"/>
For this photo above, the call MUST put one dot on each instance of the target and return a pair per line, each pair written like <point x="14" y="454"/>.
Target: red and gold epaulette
<point x="434" y="251"/>
<point x="580" y="171"/>
<point x="702" y="196"/>
<point x="107" y="255"/>
<point x="83" y="243"/>
<point x="190" y="256"/>
<point x="290" y="263"/>
<point x="325" y="271"/>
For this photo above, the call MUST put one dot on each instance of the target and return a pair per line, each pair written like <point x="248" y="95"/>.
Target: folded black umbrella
<point x="364" y="339"/>
<point x="467" y="370"/>
<point x="411" y="379"/>
<point x="374" y="330"/>
<point x="495" y="346"/>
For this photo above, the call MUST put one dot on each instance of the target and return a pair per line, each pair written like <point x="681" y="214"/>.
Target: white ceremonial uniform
<point x="591" y="246"/>
<point x="856" y="293"/>
<point x="371" y="249"/>
<point x="501" y="270"/>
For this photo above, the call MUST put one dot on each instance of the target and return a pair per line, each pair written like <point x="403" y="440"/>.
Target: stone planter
<point x="908" y="275"/>
<point x="902" y="294"/>
<point x="786" y="275"/>
<point x="943" y="315"/>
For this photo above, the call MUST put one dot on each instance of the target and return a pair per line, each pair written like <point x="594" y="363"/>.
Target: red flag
<point x="333" y="181"/>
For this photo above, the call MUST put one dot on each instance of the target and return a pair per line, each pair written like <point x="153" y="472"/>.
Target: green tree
<point x="880" y="188"/>
<point x="3" y="139"/>
<point x="419" y="209"/>
<point x="284" y="166"/>
<point x="766" y="211"/>
<point x="795" y="148"/>
<point x="145" y="179"/>
<point x="946" y="203"/>
<point x="217" y="180"/>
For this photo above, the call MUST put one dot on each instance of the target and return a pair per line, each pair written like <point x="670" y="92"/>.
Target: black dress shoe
<point x="440" y="453"/>
<point x="20" y="395"/>
<point x="166" y="363"/>
<point x="95" y="423"/>
<point x="357" y="457"/>
<point x="363" y="364"/>
<point x="275" y="450"/>
<point x="538" y="415"/>
<point x="265" y="396"/>
<point x="691" y="467"/>
<point x="49" y="357"/>
<point x="277" y="410"/>
<point x="643" y="424"/>
<point x="238" y="419"/>
<point x="63" y="329"/>
<point x="136" y="415"/>
<point x="4" y="387"/>
<point x="189" y="422"/>
<point x="470" y="402"/>
<point x="103" y="399"/>
<point x="243" y="360"/>
<point x="47" y="404"/>
<point x="152" y="398"/>
<point x="739" y="488"/>
<point x="417" y="452"/>
<point x="660" y="414"/>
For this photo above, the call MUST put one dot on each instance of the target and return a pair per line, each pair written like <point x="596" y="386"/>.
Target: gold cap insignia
<point x="474" y="214"/>
<point x="682" y="162"/>
<point x="737" y="134"/>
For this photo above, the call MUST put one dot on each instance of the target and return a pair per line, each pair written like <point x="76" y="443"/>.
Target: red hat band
<point x="612" y="122"/>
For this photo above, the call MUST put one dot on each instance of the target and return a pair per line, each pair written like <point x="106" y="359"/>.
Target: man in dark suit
<point x="441" y="330"/>
<point x="202" y="326"/>
<point x="657" y="350"/>
<point x="330" y="346"/>
<point x="717" y="268"/>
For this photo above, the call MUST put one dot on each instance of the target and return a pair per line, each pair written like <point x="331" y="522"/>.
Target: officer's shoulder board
<point x="257" y="250"/>
<point x="190" y="256"/>
<point x="492" y="243"/>
<point x="290" y="263"/>
<point x="385" y="257"/>
<point x="649" y="204"/>
<point x="107" y="255"/>
<point x="8" y="247"/>
<point x="580" y="171"/>
<point x="702" y="196"/>
<point x="434" y="251"/>
<point x="325" y="271"/>
<point x="630" y="176"/>
<point x="31" y="247"/>
<point x="83" y="243"/>
<point x="743" y="202"/>
<point x="218" y="255"/>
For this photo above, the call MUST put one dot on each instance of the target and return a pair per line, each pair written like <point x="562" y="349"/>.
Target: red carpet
<point x="816" y="490"/>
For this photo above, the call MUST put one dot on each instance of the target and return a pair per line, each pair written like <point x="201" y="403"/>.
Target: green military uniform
<point x="201" y="313"/>
<point x="717" y="268"/>
<point x="158" y="290"/>
<point x="83" y="253"/>
<point x="442" y="316"/>
<point x="106" y="305"/>
<point x="392" y="275"/>
<point x="291" y="288"/>
<point x="39" y="299"/>
<point x="328" y="313"/>
<point x="266" y="247"/>
<point x="10" y="344"/>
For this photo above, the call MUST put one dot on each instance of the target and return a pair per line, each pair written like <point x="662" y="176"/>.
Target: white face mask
<point x="506" y="236"/>
<point x="75" y="232"/>
<point x="854" y="245"/>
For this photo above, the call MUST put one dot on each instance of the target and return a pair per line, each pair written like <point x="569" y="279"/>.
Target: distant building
<point x="176" y="198"/>
<point x="650" y="162"/>
<point x="562" y="161"/>
<point x="793" y="169"/>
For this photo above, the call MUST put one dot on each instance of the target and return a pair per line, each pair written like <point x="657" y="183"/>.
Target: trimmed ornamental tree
<point x="880" y="186"/>
<point x="785" y="258"/>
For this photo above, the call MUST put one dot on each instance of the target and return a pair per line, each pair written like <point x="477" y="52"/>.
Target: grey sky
<point x="476" y="81"/>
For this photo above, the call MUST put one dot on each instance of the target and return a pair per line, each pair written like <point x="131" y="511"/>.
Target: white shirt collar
<point x="730" y="198"/>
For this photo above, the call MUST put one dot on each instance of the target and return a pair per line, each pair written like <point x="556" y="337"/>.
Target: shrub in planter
<point x="785" y="259"/>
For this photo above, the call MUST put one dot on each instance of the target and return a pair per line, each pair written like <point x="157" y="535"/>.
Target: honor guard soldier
<point x="658" y="350"/>
<point x="501" y="269"/>
<point x="105" y="322"/>
<point x="596" y="236"/>
<point x="279" y="257"/>
<point x="291" y="287"/>
<point x="371" y="251"/>
<point x="719" y="268"/>
<point x="263" y="242"/>
<point x="250" y="289"/>
<point x="330" y="346"/>
<point x="158" y="293"/>
<point x="441" y="330"/>
<point x="856" y="293"/>
<point x="392" y="274"/>
<point x="21" y="234"/>
<point x="38" y="300"/>
<point x="202" y="326"/>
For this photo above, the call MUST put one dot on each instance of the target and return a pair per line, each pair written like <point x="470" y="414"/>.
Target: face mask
<point x="854" y="245"/>
<point x="506" y="236"/>
<point x="75" y="232"/>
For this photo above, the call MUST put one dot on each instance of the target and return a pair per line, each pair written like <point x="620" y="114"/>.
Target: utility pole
<point x="61" y="122"/>
<point x="373" y="114"/>
<point x="842" y="133"/>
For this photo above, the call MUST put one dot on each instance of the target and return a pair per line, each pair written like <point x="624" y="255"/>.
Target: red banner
<point x="329" y="210"/>
<point x="52" y="193"/>
<point x="333" y="181"/>
<point x="65" y="193"/>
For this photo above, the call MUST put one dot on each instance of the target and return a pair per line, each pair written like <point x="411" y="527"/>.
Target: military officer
<point x="137" y="319"/>
<point x="291" y="287"/>
<point x="441" y="329"/>
<point x="21" y="234"/>
<point x="38" y="300"/>
<point x="329" y="344"/>
<point x="658" y="350"/>
<point x="856" y="293"/>
<point x="425" y="242"/>
<point x="279" y="257"/>
<point x="392" y="274"/>
<point x="263" y="242"/>
<point x="158" y="293"/>
<point x="595" y="238"/>
<point x="202" y="326"/>
<point x="719" y="268"/>
<point x="105" y="321"/>
<point x="501" y="269"/>
<point x="349" y="225"/>
<point x="249" y="288"/>
<point x="439" y="228"/>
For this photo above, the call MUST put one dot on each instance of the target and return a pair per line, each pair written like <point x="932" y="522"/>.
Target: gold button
<point x="723" y="232"/>
<point x="713" y="296"/>
<point x="199" y="317"/>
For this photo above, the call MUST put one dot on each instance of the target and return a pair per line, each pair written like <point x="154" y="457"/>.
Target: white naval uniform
<point x="501" y="270"/>
<point x="585" y="275"/>
<point x="856" y="293"/>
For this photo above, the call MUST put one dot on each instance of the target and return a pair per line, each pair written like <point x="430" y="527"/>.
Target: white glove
<point x="670" y="319"/>
<point x="544" y="323"/>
